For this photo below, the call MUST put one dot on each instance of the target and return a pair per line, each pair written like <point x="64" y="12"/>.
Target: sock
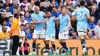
<point x="83" y="43"/>
<point x="47" y="47"/>
<point x="54" y="48"/>
<point x="64" y="46"/>
<point x="45" y="44"/>
<point x="23" y="53"/>
<point x="34" y="46"/>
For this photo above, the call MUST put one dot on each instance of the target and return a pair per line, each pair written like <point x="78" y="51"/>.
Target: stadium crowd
<point x="18" y="20"/>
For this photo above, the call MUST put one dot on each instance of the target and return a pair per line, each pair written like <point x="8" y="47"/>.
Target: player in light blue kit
<point x="50" y="32"/>
<point x="39" y="30"/>
<point x="65" y="25"/>
<point x="82" y="16"/>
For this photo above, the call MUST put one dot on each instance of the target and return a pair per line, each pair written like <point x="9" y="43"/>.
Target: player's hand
<point x="65" y="29"/>
<point x="44" y="21"/>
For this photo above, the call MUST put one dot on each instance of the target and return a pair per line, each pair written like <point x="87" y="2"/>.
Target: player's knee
<point x="81" y="36"/>
<point x="34" y="40"/>
<point x="47" y="41"/>
<point x="52" y="42"/>
<point x="60" y="41"/>
<point x="89" y="34"/>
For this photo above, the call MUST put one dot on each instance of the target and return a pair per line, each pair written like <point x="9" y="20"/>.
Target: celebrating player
<point x="50" y="32"/>
<point x="82" y="15"/>
<point x="39" y="21"/>
<point x="65" y="24"/>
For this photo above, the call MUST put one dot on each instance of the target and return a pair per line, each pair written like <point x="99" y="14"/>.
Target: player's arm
<point x="69" y="25"/>
<point x="88" y="15"/>
<point x="44" y="27"/>
<point x="36" y="22"/>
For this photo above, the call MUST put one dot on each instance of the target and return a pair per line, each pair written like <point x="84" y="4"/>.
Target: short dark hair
<point x="22" y="25"/>
<point x="47" y="12"/>
<point x="7" y="6"/>
<point x="10" y="16"/>
<point x="16" y="15"/>
<point x="1" y="2"/>
<point x="82" y="3"/>
<point x="21" y="15"/>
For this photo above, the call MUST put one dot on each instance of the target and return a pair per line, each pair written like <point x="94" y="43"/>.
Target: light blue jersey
<point x="38" y="17"/>
<point x="64" y="21"/>
<point x="81" y="15"/>
<point x="50" y="26"/>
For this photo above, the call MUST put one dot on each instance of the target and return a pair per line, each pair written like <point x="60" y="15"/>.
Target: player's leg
<point x="52" y="39"/>
<point x="83" y="44"/>
<point x="47" y="44"/>
<point x="82" y="35"/>
<point x="34" y="45"/>
<point x="35" y="37"/>
<point x="62" y="41"/>
<point x="43" y="36"/>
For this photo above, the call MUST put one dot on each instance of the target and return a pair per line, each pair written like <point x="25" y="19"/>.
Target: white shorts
<point x="50" y="37"/>
<point x="63" y="35"/>
<point x="82" y="31"/>
<point x="39" y="34"/>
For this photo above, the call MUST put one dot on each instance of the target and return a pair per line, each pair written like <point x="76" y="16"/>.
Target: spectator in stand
<point x="9" y="21"/>
<point x="57" y="24"/>
<point x="33" y="4"/>
<point x="4" y="35"/>
<point x="3" y="17"/>
<point x="32" y="26"/>
<point x="4" y="24"/>
<point x="29" y="34"/>
<point x="37" y="2"/>
<point x="46" y="3"/>
<point x="97" y="30"/>
<point x="58" y="11"/>
<point x="7" y="3"/>
<point x="23" y="49"/>
<point x="98" y="12"/>
<point x="1" y="6"/>
<point x="74" y="36"/>
<point x="7" y="11"/>
<point x="25" y="3"/>
<point x="19" y="9"/>
<point x="94" y="12"/>
<point x="28" y="17"/>
<point x="15" y="11"/>
<point x="54" y="12"/>
<point x="20" y="49"/>
<point x="71" y="5"/>
<point x="30" y="10"/>
<point x="21" y="20"/>
<point x="22" y="9"/>
<point x="14" y="32"/>
<point x="92" y="2"/>
<point x="91" y="24"/>
<point x="14" y="5"/>
<point x="42" y="8"/>
<point x="55" y="2"/>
